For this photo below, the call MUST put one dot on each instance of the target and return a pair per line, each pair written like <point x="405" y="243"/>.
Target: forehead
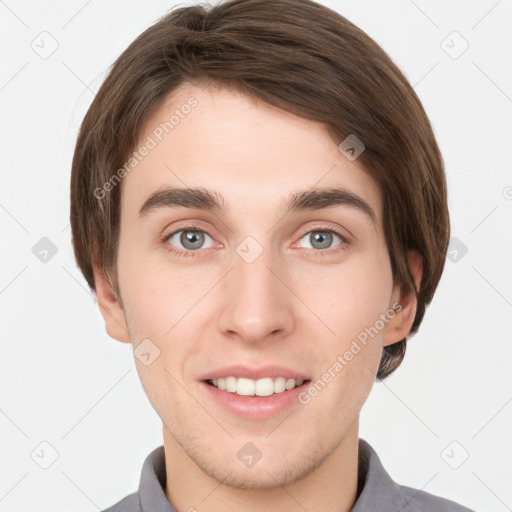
<point x="250" y="152"/>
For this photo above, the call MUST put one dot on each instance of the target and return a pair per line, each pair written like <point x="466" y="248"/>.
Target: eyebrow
<point x="209" y="200"/>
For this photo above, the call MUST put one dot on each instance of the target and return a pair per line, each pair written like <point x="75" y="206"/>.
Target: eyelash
<point x="317" y="253"/>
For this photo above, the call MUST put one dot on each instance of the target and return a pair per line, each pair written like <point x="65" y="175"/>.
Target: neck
<point x="331" y="486"/>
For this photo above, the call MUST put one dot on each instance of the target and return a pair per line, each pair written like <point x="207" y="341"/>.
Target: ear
<point x="113" y="314"/>
<point x="400" y="325"/>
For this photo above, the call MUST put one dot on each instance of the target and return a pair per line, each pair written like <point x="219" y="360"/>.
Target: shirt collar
<point x="376" y="489"/>
<point x="152" y="483"/>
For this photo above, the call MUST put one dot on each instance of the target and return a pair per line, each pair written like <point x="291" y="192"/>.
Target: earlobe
<point x="400" y="325"/>
<point x="111" y="310"/>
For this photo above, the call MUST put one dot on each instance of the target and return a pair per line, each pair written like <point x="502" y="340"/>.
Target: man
<point x="259" y="203"/>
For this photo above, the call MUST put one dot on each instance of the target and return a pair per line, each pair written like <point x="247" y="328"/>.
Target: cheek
<point x="154" y="297"/>
<point x="160" y="306"/>
<point x="349" y="297"/>
<point x="351" y="302"/>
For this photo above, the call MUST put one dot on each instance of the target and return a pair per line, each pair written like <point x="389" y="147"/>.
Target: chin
<point x="263" y="478"/>
<point x="269" y="472"/>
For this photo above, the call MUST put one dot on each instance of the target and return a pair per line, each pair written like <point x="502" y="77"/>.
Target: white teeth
<point x="264" y="387"/>
<point x="244" y="387"/>
<point x="231" y="384"/>
<point x="261" y="387"/>
<point x="279" y="385"/>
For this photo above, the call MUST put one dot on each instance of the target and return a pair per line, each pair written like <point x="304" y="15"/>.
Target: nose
<point x="256" y="305"/>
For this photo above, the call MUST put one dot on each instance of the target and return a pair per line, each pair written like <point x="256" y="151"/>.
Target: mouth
<point x="264" y="387"/>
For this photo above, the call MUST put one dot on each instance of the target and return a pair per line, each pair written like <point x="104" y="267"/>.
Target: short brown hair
<point x="304" y="58"/>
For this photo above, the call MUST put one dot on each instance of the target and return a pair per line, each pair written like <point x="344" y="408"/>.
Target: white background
<point x="66" y="382"/>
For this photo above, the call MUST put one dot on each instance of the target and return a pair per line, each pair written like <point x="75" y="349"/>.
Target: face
<point x="253" y="293"/>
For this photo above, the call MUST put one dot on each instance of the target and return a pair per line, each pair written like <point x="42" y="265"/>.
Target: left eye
<point x="321" y="239"/>
<point x="190" y="240"/>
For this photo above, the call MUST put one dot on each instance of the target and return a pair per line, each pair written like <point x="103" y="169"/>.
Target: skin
<point x="288" y="307"/>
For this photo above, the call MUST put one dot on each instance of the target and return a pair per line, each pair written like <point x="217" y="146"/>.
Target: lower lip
<point x="257" y="407"/>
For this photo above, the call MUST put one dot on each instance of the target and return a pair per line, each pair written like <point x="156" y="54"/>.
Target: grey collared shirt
<point x="377" y="491"/>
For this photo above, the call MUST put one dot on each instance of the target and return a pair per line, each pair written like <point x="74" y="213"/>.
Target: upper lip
<point x="248" y="372"/>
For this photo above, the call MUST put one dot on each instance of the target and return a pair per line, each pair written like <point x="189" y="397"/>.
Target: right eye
<point x="191" y="240"/>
